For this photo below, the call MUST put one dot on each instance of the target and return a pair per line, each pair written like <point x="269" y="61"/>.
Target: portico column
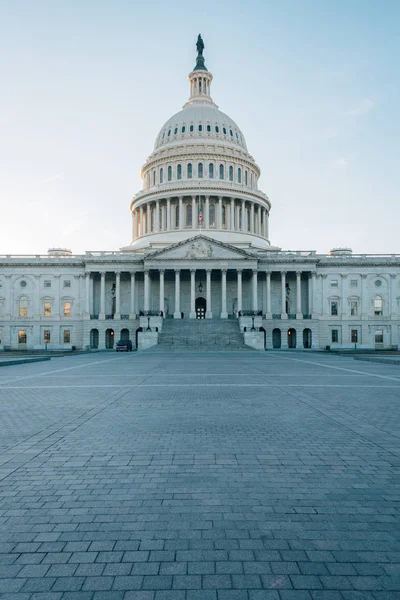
<point x="177" y="313"/>
<point x="207" y="215"/>
<point x="157" y="219"/>
<point x="311" y="292"/>
<point x="267" y="225"/>
<point x="134" y="225"/>
<point x="141" y="220"/>
<point x="148" y="215"/>
<point x="283" y="295"/>
<point x="224" y="314"/>
<point x="168" y="214"/>
<point x="299" y="314"/>
<point x="232" y="214"/>
<point x="117" y="314"/>
<point x="255" y="290"/>
<point x="146" y="291"/>
<point x="180" y="212"/>
<point x="87" y="294"/>
<point x="192" y="294"/>
<point x="102" y="295"/>
<point x="269" y="312"/>
<point x="162" y="291"/>
<point x="220" y="224"/>
<point x="208" y="283"/>
<point x="133" y="285"/>
<point x="194" y="224"/>
<point x="239" y="291"/>
<point x="259" y="220"/>
<point x="252" y="217"/>
<point x="163" y="217"/>
<point x="244" y="220"/>
<point x="237" y="217"/>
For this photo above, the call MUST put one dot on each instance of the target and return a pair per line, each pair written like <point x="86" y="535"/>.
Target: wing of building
<point x="200" y="265"/>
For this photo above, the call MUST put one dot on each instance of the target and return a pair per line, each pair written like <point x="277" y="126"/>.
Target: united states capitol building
<point x="201" y="268"/>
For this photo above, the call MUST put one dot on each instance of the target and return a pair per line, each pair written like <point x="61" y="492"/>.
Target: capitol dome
<point x="200" y="177"/>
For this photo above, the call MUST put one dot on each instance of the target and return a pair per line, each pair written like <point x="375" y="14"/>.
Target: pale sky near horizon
<point x="86" y="85"/>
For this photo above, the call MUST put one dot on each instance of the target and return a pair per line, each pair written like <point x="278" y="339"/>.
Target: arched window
<point x="245" y="177"/>
<point x="188" y="215"/>
<point x="23" y="306"/>
<point x="179" y="172"/>
<point x="216" y="129"/>
<point x="221" y="171"/>
<point x="239" y="175"/>
<point x="183" y="129"/>
<point x="191" y="129"/>
<point x="200" y="170"/>
<point x="177" y="216"/>
<point x="175" y="130"/>
<point x="161" y="175"/>
<point x="200" y="127"/>
<point x="169" y="173"/>
<point x="231" y="132"/>
<point x="231" y="173"/>
<point x="190" y="170"/>
<point x="154" y="178"/>
<point x="208" y="128"/>
<point x="211" y="171"/>
<point x="224" y="130"/>
<point x="211" y="216"/>
<point x="223" y="216"/>
<point x="378" y="305"/>
<point x="169" y="132"/>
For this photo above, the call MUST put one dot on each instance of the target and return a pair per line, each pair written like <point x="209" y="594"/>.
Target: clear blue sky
<point x="87" y="84"/>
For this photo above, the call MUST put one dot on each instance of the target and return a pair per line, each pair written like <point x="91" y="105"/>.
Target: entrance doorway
<point x="276" y="338"/>
<point x="22" y="339"/>
<point x="307" y="338"/>
<point x="201" y="306"/>
<point x="124" y="334"/>
<point x="291" y="338"/>
<point x="94" y="338"/>
<point x="110" y="338"/>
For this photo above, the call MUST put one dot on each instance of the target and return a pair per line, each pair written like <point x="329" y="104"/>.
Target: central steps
<point x="207" y="334"/>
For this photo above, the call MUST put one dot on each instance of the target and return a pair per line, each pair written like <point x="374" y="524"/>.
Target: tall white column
<point x="141" y="220"/>
<point x="177" y="313"/>
<point x="224" y="313"/>
<point x="259" y="220"/>
<point x="207" y="215"/>
<point x="239" y="291"/>
<point x="192" y="294"/>
<point x="162" y="292"/>
<point x="157" y="219"/>
<point x="132" y="299"/>
<point x="117" y="314"/>
<point x="134" y="225"/>
<point x="269" y="312"/>
<point x="244" y="220"/>
<point x="299" y="314"/>
<point x="194" y="223"/>
<point x="168" y="214"/>
<point x="102" y="295"/>
<point x="146" y="291"/>
<point x="148" y="215"/>
<point x="163" y="217"/>
<point x="232" y="214"/>
<point x="219" y="212"/>
<point x="311" y="292"/>
<point x="283" y="295"/>
<point x="87" y="293"/>
<point x="266" y="225"/>
<point x="252" y="217"/>
<point x="325" y="307"/>
<point x="91" y="296"/>
<point x="255" y="291"/>
<point x="208" y="284"/>
<point x="237" y="217"/>
<point x="181" y="225"/>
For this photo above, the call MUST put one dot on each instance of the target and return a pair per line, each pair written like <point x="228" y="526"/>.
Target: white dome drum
<point x="200" y="176"/>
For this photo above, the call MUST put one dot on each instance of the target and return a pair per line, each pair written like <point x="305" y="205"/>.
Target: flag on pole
<point x="201" y="215"/>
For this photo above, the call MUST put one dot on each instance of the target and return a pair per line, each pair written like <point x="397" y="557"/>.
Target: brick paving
<point x="204" y="476"/>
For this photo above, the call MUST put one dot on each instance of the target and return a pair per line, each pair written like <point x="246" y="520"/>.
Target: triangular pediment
<point x="201" y="247"/>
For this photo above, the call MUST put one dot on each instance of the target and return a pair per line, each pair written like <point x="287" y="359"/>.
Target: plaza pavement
<point x="218" y="476"/>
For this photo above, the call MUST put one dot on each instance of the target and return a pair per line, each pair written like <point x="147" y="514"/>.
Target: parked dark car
<point x="124" y="346"/>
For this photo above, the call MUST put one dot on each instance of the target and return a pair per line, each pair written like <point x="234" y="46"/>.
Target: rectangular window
<point x="334" y="283"/>
<point x="47" y="284"/>
<point x="47" y="309"/>
<point x="334" y="309"/>
<point x="354" y="336"/>
<point x="22" y="336"/>
<point x="67" y="283"/>
<point x="46" y="336"/>
<point x="335" y="336"/>
<point x="67" y="309"/>
<point x="354" y="283"/>
<point x="378" y="336"/>
<point x="67" y="336"/>
<point x="354" y="308"/>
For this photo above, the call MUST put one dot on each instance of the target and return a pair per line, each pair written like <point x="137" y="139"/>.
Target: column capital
<point x="177" y="270"/>
<point x="207" y="197"/>
<point x="193" y="270"/>
<point x="103" y="273"/>
<point x="312" y="274"/>
<point x="298" y="273"/>
<point x="146" y="271"/>
<point x="255" y="271"/>
<point x="343" y="275"/>
<point x="88" y="273"/>
<point x="208" y="270"/>
<point x="193" y="197"/>
<point x="283" y="272"/>
<point x="364" y="275"/>
<point x="324" y="275"/>
<point x="168" y="199"/>
<point x="268" y="272"/>
<point x="180" y="198"/>
<point x="239" y="270"/>
<point x="220" y="198"/>
<point x="392" y="275"/>
<point x="133" y="273"/>
<point x="162" y="271"/>
<point x="117" y="273"/>
<point x="224" y="271"/>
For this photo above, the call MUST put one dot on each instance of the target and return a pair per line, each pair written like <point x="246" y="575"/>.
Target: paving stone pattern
<point x="200" y="476"/>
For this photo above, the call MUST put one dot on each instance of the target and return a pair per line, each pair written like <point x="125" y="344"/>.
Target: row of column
<point x="177" y="312"/>
<point x="165" y="216"/>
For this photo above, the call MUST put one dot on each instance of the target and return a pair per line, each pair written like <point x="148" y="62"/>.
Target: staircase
<point x="196" y="334"/>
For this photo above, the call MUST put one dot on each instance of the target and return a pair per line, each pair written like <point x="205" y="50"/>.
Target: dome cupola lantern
<point x="200" y="78"/>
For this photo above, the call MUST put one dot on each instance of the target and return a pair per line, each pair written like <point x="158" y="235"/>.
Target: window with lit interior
<point x="378" y="305"/>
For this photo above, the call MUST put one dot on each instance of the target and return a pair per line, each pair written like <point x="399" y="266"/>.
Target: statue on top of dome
<point x="200" y="45"/>
<point x="200" y="66"/>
